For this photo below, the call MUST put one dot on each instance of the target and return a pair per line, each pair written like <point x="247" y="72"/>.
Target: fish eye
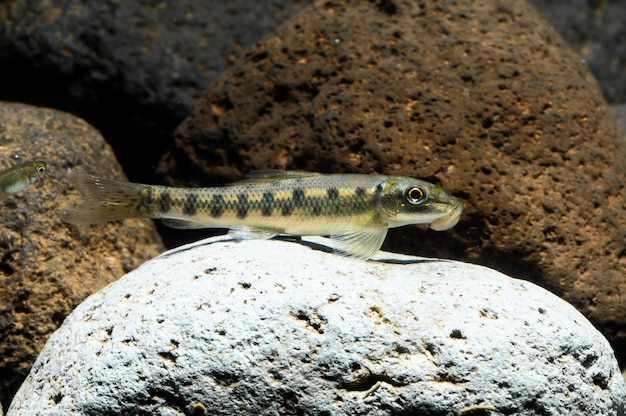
<point x="40" y="168"/>
<point x="416" y="195"/>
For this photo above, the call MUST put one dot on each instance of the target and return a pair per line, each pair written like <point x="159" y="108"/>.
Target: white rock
<point x="276" y="328"/>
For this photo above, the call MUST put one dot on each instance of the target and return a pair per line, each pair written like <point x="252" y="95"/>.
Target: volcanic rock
<point x="47" y="267"/>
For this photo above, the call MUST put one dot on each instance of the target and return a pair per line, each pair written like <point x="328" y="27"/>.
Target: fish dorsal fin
<point x="358" y="241"/>
<point x="280" y="174"/>
<point x="270" y="175"/>
<point x="247" y="233"/>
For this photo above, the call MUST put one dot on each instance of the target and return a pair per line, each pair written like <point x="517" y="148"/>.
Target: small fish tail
<point x="104" y="200"/>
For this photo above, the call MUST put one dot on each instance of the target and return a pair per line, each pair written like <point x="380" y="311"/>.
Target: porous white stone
<point x="277" y="328"/>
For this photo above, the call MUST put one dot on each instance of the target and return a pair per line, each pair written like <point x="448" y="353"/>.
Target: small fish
<point x="354" y="210"/>
<point x="19" y="177"/>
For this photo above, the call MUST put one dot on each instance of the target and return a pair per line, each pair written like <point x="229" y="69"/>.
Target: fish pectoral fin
<point x="361" y="242"/>
<point x="183" y="224"/>
<point x="270" y="175"/>
<point x="247" y="233"/>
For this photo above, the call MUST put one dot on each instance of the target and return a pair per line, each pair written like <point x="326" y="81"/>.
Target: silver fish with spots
<point x="354" y="210"/>
<point x="19" y="177"/>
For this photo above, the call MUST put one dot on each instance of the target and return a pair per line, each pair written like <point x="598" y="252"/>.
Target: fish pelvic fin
<point x="104" y="200"/>
<point x="248" y="233"/>
<point x="179" y="224"/>
<point x="359" y="241"/>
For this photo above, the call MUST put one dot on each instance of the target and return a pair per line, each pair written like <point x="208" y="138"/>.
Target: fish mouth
<point x="450" y="219"/>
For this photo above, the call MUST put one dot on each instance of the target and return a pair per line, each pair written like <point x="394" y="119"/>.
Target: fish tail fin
<point x="104" y="200"/>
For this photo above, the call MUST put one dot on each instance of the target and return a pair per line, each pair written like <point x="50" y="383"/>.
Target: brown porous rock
<point x="47" y="266"/>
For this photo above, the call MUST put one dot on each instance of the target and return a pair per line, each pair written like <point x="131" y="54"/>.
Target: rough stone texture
<point x="131" y="68"/>
<point x="596" y="30"/>
<point x="48" y="267"/>
<point x="237" y="329"/>
<point x="483" y="97"/>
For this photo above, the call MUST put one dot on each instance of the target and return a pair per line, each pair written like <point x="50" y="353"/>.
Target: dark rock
<point x="596" y="30"/>
<point x="47" y="267"/>
<point x="620" y="113"/>
<point x="133" y="69"/>
<point x="483" y="97"/>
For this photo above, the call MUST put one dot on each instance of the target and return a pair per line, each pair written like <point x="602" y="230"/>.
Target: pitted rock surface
<point x="483" y="97"/>
<point x="47" y="267"/>
<point x="273" y="327"/>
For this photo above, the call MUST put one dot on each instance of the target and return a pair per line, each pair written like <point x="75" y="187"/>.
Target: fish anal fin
<point x="360" y="242"/>
<point x="248" y="233"/>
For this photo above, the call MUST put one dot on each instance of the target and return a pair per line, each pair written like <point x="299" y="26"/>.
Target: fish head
<point x="35" y="170"/>
<point x="412" y="201"/>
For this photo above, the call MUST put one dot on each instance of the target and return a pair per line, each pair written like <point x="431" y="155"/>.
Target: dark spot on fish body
<point x="191" y="204"/>
<point x="380" y="187"/>
<point x="317" y="208"/>
<point x="333" y="193"/>
<point x="242" y="206"/>
<point x="360" y="192"/>
<point x="267" y="204"/>
<point x="217" y="206"/>
<point x="164" y="201"/>
<point x="298" y="196"/>
<point x="286" y="209"/>
<point x="145" y="200"/>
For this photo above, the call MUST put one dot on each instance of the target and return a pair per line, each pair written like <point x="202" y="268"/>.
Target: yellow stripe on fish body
<point x="355" y="210"/>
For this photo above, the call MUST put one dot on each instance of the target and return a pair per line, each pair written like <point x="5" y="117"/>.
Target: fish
<point x="355" y="210"/>
<point x="20" y="176"/>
